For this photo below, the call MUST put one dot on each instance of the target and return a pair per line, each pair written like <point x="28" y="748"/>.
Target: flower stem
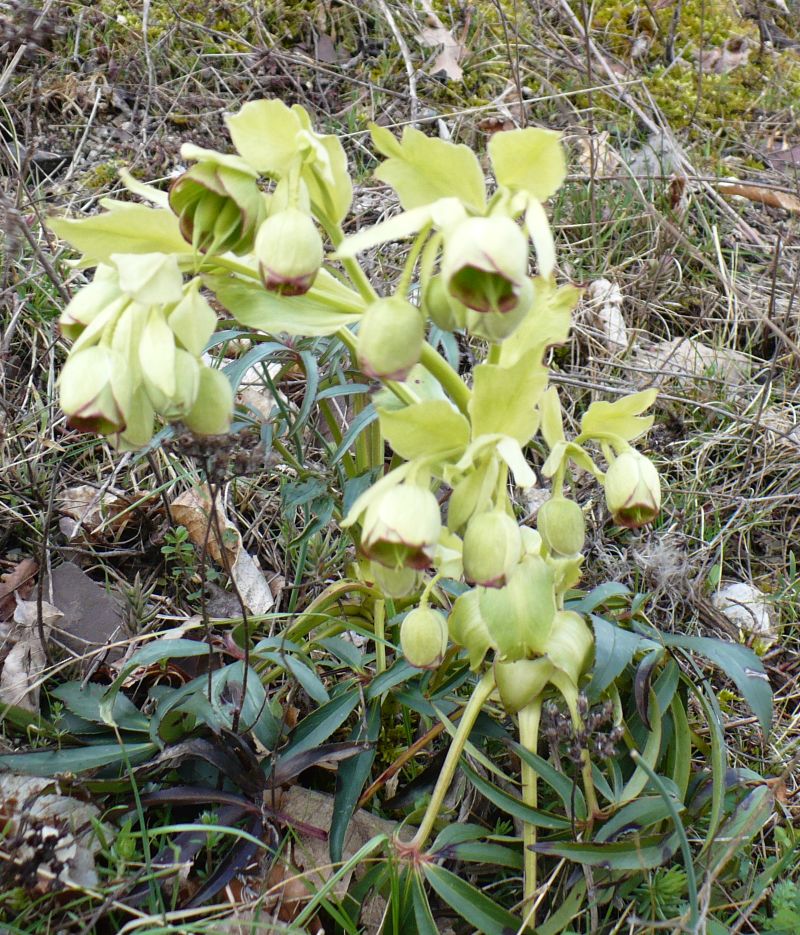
<point x="379" y="624"/>
<point x="529" y="737"/>
<point x="451" y="382"/>
<point x="480" y="693"/>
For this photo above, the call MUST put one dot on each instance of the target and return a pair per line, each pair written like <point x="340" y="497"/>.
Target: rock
<point x="747" y="607"/>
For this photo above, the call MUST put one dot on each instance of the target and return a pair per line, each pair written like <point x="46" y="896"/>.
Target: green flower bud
<point x="95" y="390"/>
<point x="218" y="202"/>
<point x="444" y="311"/>
<point x="402" y="527"/>
<point x="521" y="682"/>
<point x="468" y="628"/>
<point x="390" y="339"/>
<point x="520" y="615"/>
<point x="633" y="490"/>
<point x="213" y="406"/>
<point x="423" y="638"/>
<point x="289" y="252"/>
<point x="492" y="548"/>
<point x="485" y="263"/>
<point x="395" y="582"/>
<point x="561" y="525"/>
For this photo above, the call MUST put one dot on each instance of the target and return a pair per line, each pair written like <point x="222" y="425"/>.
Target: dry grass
<point x="87" y="88"/>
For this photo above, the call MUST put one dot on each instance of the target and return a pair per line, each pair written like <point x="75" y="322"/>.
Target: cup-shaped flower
<point x="521" y="682"/>
<point x="186" y="384"/>
<point x="213" y="406"/>
<point x="468" y="628"/>
<point x="570" y="645"/>
<point x="289" y="252"/>
<point x="561" y="525"/>
<point x="497" y="326"/>
<point x="395" y="582"/>
<point x="217" y="201"/>
<point x="89" y="302"/>
<point x="520" y="615"/>
<point x="401" y="528"/>
<point x="193" y="320"/>
<point x="633" y="489"/>
<point x="492" y="548"/>
<point x="390" y="338"/>
<point x="95" y="390"/>
<point x="485" y="263"/>
<point x="423" y="637"/>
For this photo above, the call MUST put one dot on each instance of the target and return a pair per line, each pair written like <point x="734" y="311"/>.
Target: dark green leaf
<point x="423" y="916"/>
<point x="485" y="852"/>
<point x="306" y="676"/>
<point x="647" y="852"/>
<point x="401" y="671"/>
<point x="614" y="649"/>
<point x="740" y="664"/>
<point x="85" y="702"/>
<point x="471" y="904"/>
<point x="256" y="355"/>
<point x="641" y="684"/>
<point x="75" y="759"/>
<point x="569" y="793"/>
<point x="367" y="415"/>
<point x="636" y="816"/>
<point x="512" y="805"/>
<point x="320" y="724"/>
<point x="351" y="777"/>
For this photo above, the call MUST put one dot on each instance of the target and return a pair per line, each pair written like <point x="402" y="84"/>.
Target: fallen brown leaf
<point x="19" y="680"/>
<point x="193" y="510"/>
<point x="91" y="618"/>
<point x="447" y="62"/>
<point x="15" y="580"/>
<point x="733" y="53"/>
<point x="764" y="196"/>
<point x="50" y="837"/>
<point x="90" y="509"/>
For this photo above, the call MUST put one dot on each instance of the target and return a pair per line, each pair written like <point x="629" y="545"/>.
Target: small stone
<point x="747" y="607"/>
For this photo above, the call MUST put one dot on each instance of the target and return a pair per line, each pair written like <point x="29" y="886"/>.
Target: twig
<point x="407" y="60"/>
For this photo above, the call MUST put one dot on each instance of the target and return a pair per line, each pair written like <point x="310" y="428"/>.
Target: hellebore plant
<point x="262" y="231"/>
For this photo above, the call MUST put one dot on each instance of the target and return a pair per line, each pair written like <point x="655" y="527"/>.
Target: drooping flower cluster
<point x="249" y="228"/>
<point x="138" y="334"/>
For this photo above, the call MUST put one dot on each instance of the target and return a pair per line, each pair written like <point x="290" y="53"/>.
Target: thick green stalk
<point x="379" y="624"/>
<point x="529" y="718"/>
<point x="451" y="382"/>
<point x="480" y="694"/>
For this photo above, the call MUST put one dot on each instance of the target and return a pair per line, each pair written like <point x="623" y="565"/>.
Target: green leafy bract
<point x="423" y="169"/>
